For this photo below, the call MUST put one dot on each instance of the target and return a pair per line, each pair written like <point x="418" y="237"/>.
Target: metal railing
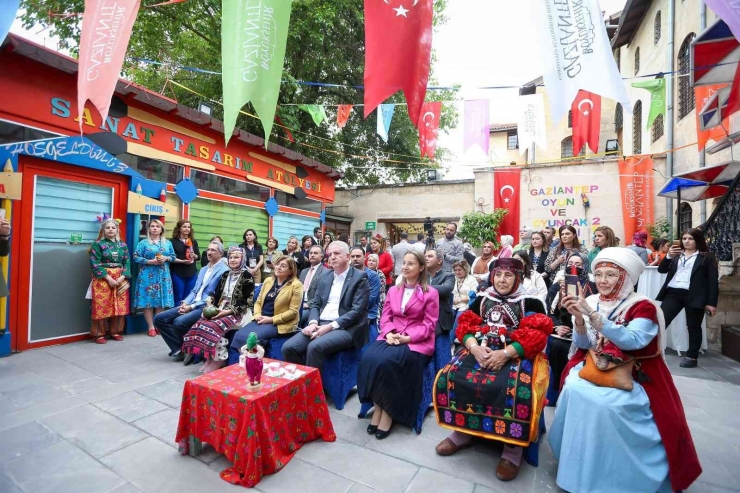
<point x="723" y="227"/>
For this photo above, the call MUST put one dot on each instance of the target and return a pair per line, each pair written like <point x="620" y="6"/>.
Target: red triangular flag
<point x="288" y="134"/>
<point x="586" y="116"/>
<point x="398" y="48"/>
<point x="343" y="114"/>
<point x="429" y="128"/>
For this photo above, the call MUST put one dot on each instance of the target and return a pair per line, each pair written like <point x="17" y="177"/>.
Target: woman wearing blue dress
<point x="605" y="437"/>
<point x="153" y="283"/>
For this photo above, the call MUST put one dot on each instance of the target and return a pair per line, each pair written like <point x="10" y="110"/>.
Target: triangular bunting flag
<point x="317" y="112"/>
<point x="288" y="134"/>
<point x="657" y="97"/>
<point x="343" y="114"/>
<point x="385" y="115"/>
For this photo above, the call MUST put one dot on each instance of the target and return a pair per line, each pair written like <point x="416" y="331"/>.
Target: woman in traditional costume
<point x="495" y="387"/>
<point x="233" y="298"/>
<point x="111" y="270"/>
<point x="627" y="431"/>
<point x="154" y="290"/>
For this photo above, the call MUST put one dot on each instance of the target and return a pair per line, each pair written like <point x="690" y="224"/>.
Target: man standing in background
<point x="398" y="251"/>
<point x="450" y="248"/>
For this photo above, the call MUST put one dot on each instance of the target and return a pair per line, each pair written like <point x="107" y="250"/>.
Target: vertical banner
<point x="343" y="113"/>
<point x="477" y="128"/>
<point x="728" y="11"/>
<point x="398" y="52"/>
<point x="385" y="115"/>
<point x="506" y="196"/>
<point x="429" y="128"/>
<point x="656" y="88"/>
<point x="253" y="38"/>
<point x="576" y="53"/>
<point x="531" y="122"/>
<point x="586" y="111"/>
<point x="636" y="186"/>
<point x="106" y="30"/>
<point x="702" y="96"/>
<point x="8" y="11"/>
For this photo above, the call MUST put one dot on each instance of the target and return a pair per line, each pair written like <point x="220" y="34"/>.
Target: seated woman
<point x="234" y="300"/>
<point x="560" y="344"/>
<point x="276" y="311"/>
<point x="533" y="280"/>
<point x="392" y="369"/>
<point x="613" y="439"/>
<point x="494" y="388"/>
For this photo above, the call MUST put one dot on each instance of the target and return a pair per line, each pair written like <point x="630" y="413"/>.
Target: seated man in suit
<point x="338" y="313"/>
<point x="174" y="323"/>
<point x="444" y="283"/>
<point x="310" y="279"/>
<point x="357" y="260"/>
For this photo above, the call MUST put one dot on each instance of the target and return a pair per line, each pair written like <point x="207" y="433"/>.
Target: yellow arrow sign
<point x="139" y="204"/>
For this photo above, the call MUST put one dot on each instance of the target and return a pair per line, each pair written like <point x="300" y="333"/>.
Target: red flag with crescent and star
<point x="343" y="112"/>
<point x="398" y="51"/>
<point x="586" y="111"/>
<point x="506" y="196"/>
<point x="429" y="128"/>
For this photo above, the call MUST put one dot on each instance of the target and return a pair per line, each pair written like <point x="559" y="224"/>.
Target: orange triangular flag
<point x="343" y="114"/>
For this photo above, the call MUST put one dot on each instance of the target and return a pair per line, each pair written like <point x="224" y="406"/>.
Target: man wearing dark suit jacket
<point x="310" y="279"/>
<point x="338" y="313"/>
<point x="444" y="283"/>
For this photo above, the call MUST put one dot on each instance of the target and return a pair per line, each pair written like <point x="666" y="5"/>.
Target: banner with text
<point x="531" y="122"/>
<point x="253" y="39"/>
<point x="636" y="186"/>
<point x="576" y="54"/>
<point x="106" y="30"/>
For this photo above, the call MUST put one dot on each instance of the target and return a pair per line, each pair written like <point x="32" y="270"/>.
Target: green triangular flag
<point x="253" y="39"/>
<point x="656" y="87"/>
<point x="316" y="111"/>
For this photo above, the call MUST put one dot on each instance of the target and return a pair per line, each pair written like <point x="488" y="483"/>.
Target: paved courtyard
<point x="88" y="418"/>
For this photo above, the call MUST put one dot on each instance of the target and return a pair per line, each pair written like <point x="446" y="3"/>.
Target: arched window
<point x="566" y="148"/>
<point x="686" y="101"/>
<point x="637" y="128"/>
<point x="656" y="29"/>
<point x="618" y="118"/>
<point x="657" y="130"/>
<point x="637" y="60"/>
<point x="685" y="217"/>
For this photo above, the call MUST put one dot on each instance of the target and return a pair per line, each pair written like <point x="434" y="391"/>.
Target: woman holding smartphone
<point x="692" y="285"/>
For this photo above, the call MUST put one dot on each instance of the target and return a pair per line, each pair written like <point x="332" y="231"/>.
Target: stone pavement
<point x="86" y="418"/>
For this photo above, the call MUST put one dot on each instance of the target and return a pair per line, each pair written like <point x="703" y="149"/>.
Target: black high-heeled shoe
<point x="372" y="429"/>
<point x="380" y="434"/>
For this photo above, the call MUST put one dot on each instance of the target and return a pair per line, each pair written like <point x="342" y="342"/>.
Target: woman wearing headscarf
<point x="111" y="270"/>
<point x="627" y="434"/>
<point x="233" y="298"/>
<point x="639" y="246"/>
<point x="506" y="246"/>
<point x="481" y="268"/>
<point x="494" y="388"/>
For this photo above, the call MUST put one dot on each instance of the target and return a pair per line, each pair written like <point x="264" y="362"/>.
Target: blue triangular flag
<point x="385" y="115"/>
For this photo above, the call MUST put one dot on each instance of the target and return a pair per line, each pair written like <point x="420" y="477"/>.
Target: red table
<point x="259" y="432"/>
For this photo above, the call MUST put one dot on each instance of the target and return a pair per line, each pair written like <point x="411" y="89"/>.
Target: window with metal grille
<point x="686" y="101"/>
<point x="637" y="128"/>
<point x="618" y="118"/>
<point x="657" y="129"/>
<point x="566" y="148"/>
<point x="685" y="217"/>
<point x="637" y="60"/>
<point x="512" y="140"/>
<point x="656" y="29"/>
<point x="570" y="119"/>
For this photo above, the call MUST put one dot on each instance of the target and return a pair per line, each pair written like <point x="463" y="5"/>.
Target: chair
<point x="340" y="375"/>
<point x="442" y="352"/>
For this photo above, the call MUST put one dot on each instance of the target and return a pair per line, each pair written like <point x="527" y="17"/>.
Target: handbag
<point x="616" y="376"/>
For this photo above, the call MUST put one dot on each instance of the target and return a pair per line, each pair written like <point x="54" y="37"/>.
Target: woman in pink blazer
<point x="392" y="369"/>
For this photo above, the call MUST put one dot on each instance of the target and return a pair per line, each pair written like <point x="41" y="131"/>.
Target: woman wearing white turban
<point x="608" y="439"/>
<point x="506" y="246"/>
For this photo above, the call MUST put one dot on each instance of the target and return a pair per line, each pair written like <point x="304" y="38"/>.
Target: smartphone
<point x="571" y="285"/>
<point x="677" y="243"/>
<point x="2" y="213"/>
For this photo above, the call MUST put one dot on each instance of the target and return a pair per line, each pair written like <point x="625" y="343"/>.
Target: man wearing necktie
<point x="309" y="277"/>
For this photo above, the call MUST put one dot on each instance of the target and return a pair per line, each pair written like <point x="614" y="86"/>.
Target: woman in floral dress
<point x="153" y="284"/>
<point x="111" y="268"/>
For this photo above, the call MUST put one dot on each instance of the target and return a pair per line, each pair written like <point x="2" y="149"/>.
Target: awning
<point x="702" y="184"/>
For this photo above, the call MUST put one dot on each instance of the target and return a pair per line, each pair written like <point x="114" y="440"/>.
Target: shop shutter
<point x="229" y="221"/>
<point x="63" y="207"/>
<point x="286" y="225"/>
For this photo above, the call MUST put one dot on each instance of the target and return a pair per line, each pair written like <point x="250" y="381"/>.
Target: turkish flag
<point x="398" y="49"/>
<point x="586" y="111"/>
<point x="429" y="128"/>
<point x="506" y="196"/>
<point x="343" y="114"/>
